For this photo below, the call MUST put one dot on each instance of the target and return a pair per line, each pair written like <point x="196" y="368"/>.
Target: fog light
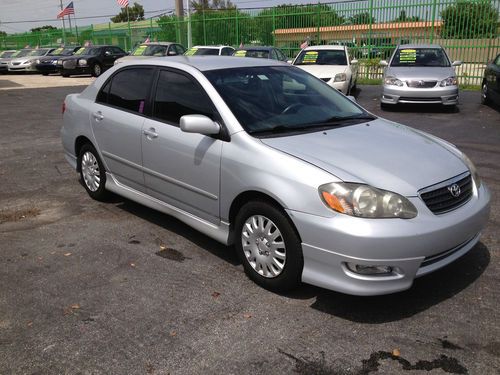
<point x="363" y="269"/>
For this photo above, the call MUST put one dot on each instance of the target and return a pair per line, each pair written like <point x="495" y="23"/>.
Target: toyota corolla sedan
<point x="307" y="185"/>
<point x="419" y="74"/>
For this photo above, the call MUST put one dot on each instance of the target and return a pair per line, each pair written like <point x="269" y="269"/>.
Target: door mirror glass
<point x="354" y="61"/>
<point x="383" y="63"/>
<point x="199" y="124"/>
<point x="456" y="63"/>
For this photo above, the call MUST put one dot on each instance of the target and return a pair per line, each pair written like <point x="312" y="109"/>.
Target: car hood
<point x="380" y="153"/>
<point x="323" y="71"/>
<point x="76" y="57"/>
<point x="423" y="73"/>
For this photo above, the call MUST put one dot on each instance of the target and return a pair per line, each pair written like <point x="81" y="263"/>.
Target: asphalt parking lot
<point x="116" y="288"/>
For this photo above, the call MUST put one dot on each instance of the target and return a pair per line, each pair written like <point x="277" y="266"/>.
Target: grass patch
<point x="369" y="81"/>
<point x="470" y="87"/>
<point x="6" y="216"/>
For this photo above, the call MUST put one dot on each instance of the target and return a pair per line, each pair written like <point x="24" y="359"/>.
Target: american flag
<point x="122" y="3"/>
<point x="67" y="11"/>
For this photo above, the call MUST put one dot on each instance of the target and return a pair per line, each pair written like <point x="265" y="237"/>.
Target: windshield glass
<point x="150" y="50"/>
<point x="420" y="57"/>
<point x="260" y="54"/>
<point x="22" y="53"/>
<point x="39" y="52"/>
<point x="6" y="54"/>
<point x="202" y="51"/>
<point x="321" y="57"/>
<point x="87" y="51"/>
<point x="276" y="98"/>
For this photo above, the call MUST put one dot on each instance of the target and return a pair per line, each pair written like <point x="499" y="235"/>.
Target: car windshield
<point x="430" y="57"/>
<point x="22" y="53"/>
<point x="87" y="51"/>
<point x="202" y="51"/>
<point x="6" y="54"/>
<point x="260" y="54"/>
<point x="150" y="50"/>
<point x="279" y="99"/>
<point x="61" y="52"/>
<point x="39" y="52"/>
<point x="321" y="57"/>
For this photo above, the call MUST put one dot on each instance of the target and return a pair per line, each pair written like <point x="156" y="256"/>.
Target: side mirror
<point x="354" y="61"/>
<point x="457" y="63"/>
<point x="289" y="61"/>
<point x="199" y="124"/>
<point x="383" y="63"/>
<point x="351" y="98"/>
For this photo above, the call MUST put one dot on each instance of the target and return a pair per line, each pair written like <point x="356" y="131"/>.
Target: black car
<point x="48" y="64"/>
<point x="490" y="88"/>
<point x="90" y="60"/>
<point x="261" y="52"/>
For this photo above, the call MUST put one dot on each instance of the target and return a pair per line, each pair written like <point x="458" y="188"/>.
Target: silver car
<point x="419" y="73"/>
<point x="28" y="62"/>
<point x="305" y="183"/>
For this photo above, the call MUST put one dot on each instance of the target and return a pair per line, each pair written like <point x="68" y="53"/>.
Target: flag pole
<point x="64" y="26"/>
<point x="129" y="32"/>
<point x="76" y="27"/>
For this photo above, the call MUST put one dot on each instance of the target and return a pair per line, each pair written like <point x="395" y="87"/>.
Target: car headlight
<point x="82" y="62"/>
<point x="59" y="62"/>
<point x="366" y="201"/>
<point x="340" y="77"/>
<point x="450" y="81"/>
<point x="472" y="169"/>
<point x="393" y="81"/>
<point x="37" y="61"/>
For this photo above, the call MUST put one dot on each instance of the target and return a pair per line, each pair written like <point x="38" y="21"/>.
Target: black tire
<point x="45" y="74"/>
<point x="484" y="94"/>
<point x="96" y="70"/>
<point x="291" y="272"/>
<point x="384" y="106"/>
<point x="349" y="89"/>
<point x="100" y="193"/>
<point x="65" y="75"/>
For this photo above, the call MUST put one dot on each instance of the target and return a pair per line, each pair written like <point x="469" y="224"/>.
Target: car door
<point x="495" y="73"/>
<point x="117" y="118"/>
<point x="181" y="169"/>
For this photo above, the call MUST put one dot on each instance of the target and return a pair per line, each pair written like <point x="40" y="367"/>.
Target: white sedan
<point x="332" y="64"/>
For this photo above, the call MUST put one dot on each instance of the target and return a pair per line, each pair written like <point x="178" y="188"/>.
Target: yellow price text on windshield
<point x="191" y="52"/>
<point x="310" y="57"/>
<point x="80" y="51"/>
<point x="240" y="53"/>
<point x="139" y="51"/>
<point x="408" y="56"/>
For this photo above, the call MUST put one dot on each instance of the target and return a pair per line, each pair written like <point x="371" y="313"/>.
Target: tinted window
<point x="274" y="55"/>
<point x="420" y="57"/>
<point x="117" y="51"/>
<point x="180" y="49"/>
<point x="178" y="95"/>
<point x="130" y="89"/>
<point x="227" y="51"/>
<point x="281" y="55"/>
<point x="322" y="57"/>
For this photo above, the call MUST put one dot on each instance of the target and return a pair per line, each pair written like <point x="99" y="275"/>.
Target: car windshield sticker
<point x="80" y="51"/>
<point x="139" y="51"/>
<point x="310" y="57"/>
<point x="57" y="51"/>
<point x="191" y="51"/>
<point x="241" y="53"/>
<point x="408" y="56"/>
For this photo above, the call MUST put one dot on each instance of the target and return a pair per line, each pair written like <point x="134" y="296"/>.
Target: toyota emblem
<point x="454" y="190"/>
<point x="422" y="83"/>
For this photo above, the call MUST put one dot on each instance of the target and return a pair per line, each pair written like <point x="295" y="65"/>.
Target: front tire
<point x="96" y="70"/>
<point x="92" y="172"/>
<point x="484" y="94"/>
<point x="268" y="246"/>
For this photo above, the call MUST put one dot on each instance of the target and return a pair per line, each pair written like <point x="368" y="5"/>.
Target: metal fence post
<point x="318" y="38"/>
<point x="274" y="26"/>
<point x="433" y="19"/>
<point x="204" y="27"/>
<point x="237" y="29"/>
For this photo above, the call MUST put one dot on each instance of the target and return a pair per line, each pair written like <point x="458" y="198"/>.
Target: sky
<point x="46" y="10"/>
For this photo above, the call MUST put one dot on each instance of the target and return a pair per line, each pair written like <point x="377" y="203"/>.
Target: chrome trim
<point x="443" y="184"/>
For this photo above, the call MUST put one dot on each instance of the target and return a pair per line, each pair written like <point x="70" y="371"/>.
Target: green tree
<point x="43" y="28"/>
<point x="135" y="12"/>
<point x="469" y="19"/>
<point x="214" y="4"/>
<point x="3" y="34"/>
<point x="404" y="18"/>
<point x="363" y="18"/>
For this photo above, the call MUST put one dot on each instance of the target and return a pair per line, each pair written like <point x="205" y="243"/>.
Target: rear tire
<point x="484" y="94"/>
<point x="268" y="246"/>
<point x="65" y="75"/>
<point x="92" y="172"/>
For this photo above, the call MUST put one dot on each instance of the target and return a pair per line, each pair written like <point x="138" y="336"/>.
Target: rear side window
<point x="130" y="89"/>
<point x="102" y="97"/>
<point x="178" y="95"/>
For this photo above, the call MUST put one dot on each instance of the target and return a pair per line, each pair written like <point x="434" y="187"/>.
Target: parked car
<point x="272" y="53"/>
<point x="490" y="90"/>
<point x="90" y="60"/>
<point x="419" y="73"/>
<point x="331" y="64"/>
<point x="210" y="51"/>
<point x="304" y="182"/>
<point x="28" y="62"/>
<point x="5" y="57"/>
<point x="156" y="49"/>
<point x="48" y="64"/>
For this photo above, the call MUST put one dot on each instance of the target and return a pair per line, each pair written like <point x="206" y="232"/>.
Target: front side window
<point x="129" y="89"/>
<point x="178" y="95"/>
<point x="227" y="51"/>
<point x="321" y="57"/>
<point x="423" y="57"/>
<point x="276" y="99"/>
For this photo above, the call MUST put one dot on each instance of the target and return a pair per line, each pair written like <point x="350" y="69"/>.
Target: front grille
<point x="441" y="200"/>
<point x="16" y="63"/>
<point x="69" y="64"/>
<point x="411" y="99"/>
<point x="421" y="84"/>
<point x="326" y="79"/>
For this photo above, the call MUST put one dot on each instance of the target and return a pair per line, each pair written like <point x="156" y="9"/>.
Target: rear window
<point x="129" y="89"/>
<point x="321" y="57"/>
<point x="260" y="54"/>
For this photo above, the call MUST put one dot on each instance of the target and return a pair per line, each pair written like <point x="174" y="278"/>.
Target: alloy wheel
<point x="90" y="171"/>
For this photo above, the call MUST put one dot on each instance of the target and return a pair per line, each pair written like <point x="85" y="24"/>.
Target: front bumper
<point x="74" y="71"/>
<point x="46" y="68"/>
<point x="22" y="68"/>
<point x="342" y="86"/>
<point x="436" y="95"/>
<point x="411" y="247"/>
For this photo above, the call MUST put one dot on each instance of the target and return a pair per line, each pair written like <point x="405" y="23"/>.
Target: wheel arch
<point x="79" y="142"/>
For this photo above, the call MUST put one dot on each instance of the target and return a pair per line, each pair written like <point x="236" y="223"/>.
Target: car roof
<point x="212" y="47"/>
<point x="157" y="43"/>
<point x="206" y="63"/>
<point x="419" y="46"/>
<point x="326" y="47"/>
<point x="255" y="48"/>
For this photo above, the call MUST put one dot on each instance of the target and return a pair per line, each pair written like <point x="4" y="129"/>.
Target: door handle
<point x="98" y="116"/>
<point x="150" y="133"/>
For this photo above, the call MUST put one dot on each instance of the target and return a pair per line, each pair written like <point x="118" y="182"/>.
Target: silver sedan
<point x="419" y="73"/>
<point x="306" y="184"/>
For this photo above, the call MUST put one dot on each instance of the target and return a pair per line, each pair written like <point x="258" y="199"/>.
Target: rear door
<point x="117" y="117"/>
